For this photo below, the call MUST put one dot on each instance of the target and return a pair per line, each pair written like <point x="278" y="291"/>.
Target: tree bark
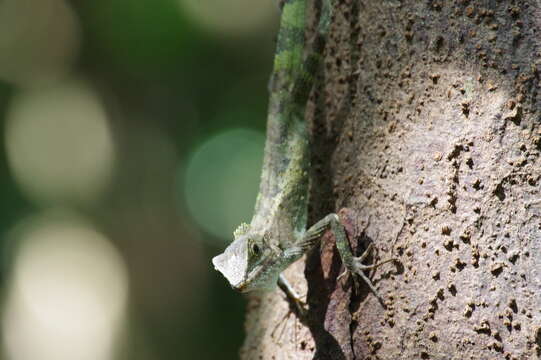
<point x="426" y="128"/>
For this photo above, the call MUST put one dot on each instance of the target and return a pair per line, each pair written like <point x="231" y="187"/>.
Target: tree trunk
<point x="426" y="128"/>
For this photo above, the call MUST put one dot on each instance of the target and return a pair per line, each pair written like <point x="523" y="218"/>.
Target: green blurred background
<point x="131" y="141"/>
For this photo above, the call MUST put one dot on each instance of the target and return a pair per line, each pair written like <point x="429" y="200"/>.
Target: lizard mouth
<point x="240" y="287"/>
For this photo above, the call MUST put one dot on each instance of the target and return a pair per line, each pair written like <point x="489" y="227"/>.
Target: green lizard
<point x="277" y="235"/>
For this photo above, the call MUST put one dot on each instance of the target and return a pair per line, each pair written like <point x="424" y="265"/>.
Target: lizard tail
<point x="304" y="83"/>
<point x="294" y="70"/>
<point x="284" y="179"/>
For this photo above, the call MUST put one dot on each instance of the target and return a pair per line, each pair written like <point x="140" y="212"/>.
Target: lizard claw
<point x="357" y="269"/>
<point x="344" y="273"/>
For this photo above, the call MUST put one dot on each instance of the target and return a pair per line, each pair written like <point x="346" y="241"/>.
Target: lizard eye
<point x="255" y="249"/>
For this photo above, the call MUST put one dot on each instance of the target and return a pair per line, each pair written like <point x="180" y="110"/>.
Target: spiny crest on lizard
<point x="242" y="229"/>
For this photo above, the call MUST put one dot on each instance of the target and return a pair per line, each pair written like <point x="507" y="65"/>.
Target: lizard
<point x="278" y="235"/>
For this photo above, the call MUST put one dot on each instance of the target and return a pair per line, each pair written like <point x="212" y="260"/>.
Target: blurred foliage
<point x="169" y="83"/>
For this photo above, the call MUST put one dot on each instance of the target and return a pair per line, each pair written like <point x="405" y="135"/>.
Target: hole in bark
<point x="460" y="265"/>
<point x="496" y="270"/>
<point x="465" y="238"/>
<point x="499" y="192"/>
<point x="455" y="152"/>
<point x="513" y="305"/>
<point x="513" y="258"/>
<point x="482" y="330"/>
<point x="466" y="109"/>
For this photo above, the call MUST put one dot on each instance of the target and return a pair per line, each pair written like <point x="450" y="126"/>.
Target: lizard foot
<point x="357" y="268"/>
<point x="296" y="306"/>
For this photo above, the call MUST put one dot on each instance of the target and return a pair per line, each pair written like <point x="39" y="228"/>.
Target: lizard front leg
<point x="352" y="263"/>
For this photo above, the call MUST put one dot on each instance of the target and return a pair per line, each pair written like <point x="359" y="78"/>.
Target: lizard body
<point x="277" y="234"/>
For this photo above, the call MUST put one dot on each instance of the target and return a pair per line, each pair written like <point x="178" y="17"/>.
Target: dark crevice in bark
<point x="352" y="327"/>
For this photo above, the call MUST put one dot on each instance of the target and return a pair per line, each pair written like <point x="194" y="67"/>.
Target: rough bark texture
<point x="427" y="129"/>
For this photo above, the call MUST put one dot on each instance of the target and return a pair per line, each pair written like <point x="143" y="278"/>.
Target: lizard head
<point x="248" y="263"/>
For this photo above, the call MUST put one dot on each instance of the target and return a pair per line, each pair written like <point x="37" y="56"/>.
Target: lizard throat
<point x="263" y="276"/>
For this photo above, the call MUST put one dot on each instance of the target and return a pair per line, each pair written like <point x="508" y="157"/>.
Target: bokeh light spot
<point x="68" y="293"/>
<point x="233" y="17"/>
<point x="222" y="179"/>
<point x="39" y="40"/>
<point x="59" y="144"/>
